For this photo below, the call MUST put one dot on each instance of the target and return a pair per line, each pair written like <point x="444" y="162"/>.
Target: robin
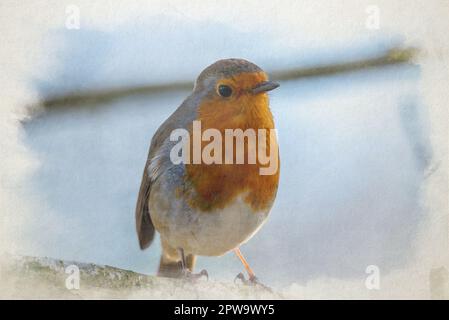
<point x="204" y="209"/>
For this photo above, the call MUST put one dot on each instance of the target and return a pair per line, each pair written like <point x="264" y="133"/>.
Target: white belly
<point x="205" y="233"/>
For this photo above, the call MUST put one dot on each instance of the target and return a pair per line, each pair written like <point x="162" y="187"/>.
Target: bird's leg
<point x="252" y="279"/>
<point x="187" y="267"/>
<point x="251" y="274"/>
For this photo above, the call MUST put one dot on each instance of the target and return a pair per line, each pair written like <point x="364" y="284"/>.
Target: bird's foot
<point x="189" y="275"/>
<point x="251" y="281"/>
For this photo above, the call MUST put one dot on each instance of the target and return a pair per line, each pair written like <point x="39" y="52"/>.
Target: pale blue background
<point x="354" y="152"/>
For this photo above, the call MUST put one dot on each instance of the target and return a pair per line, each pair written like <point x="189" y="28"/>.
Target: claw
<point x="252" y="281"/>
<point x="240" y="277"/>
<point x="188" y="275"/>
<point x="204" y="273"/>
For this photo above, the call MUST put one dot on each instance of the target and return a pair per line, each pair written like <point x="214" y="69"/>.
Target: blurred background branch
<point x="97" y="97"/>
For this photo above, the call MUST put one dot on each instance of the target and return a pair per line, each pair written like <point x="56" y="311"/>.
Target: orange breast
<point x="214" y="186"/>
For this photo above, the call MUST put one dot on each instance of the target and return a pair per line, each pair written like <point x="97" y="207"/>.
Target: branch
<point x="45" y="278"/>
<point x="391" y="57"/>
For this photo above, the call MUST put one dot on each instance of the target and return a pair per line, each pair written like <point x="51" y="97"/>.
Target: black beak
<point x="265" y="86"/>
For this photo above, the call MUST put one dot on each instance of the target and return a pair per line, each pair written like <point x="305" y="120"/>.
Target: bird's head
<point x="233" y="89"/>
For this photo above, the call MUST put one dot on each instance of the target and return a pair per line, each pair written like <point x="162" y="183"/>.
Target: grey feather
<point x="158" y="162"/>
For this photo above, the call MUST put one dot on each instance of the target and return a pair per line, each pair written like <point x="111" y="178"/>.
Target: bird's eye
<point x="224" y="91"/>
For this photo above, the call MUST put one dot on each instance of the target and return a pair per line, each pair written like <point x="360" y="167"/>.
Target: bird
<point x="204" y="209"/>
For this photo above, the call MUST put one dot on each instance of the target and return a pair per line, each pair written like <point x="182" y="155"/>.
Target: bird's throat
<point x="214" y="186"/>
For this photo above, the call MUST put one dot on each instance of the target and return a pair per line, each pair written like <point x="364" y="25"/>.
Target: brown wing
<point x="154" y="167"/>
<point x="144" y="225"/>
